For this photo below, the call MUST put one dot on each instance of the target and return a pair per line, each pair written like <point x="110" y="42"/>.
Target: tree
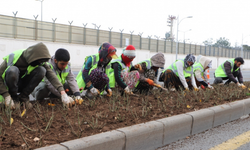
<point x="222" y="42"/>
<point x="208" y="42"/>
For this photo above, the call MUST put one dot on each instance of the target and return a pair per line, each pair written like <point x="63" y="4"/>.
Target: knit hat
<point x="128" y="54"/>
<point x="129" y="51"/>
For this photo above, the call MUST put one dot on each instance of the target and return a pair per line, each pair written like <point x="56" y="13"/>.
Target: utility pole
<point x="170" y="24"/>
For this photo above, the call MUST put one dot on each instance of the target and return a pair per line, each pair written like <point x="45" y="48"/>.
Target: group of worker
<point x="33" y="71"/>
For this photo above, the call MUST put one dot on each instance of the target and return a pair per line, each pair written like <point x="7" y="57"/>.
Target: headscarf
<point x="158" y="60"/>
<point x="104" y="50"/>
<point x="189" y="57"/>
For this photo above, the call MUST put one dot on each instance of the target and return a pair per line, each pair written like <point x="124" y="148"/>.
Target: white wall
<point x="79" y="52"/>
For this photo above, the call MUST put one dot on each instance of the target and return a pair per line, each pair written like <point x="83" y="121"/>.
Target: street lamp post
<point x="184" y="32"/>
<point x="178" y="23"/>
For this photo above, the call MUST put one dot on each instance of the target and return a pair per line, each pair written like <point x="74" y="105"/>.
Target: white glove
<point x="78" y="97"/>
<point x="128" y="90"/>
<point x="67" y="101"/>
<point x="94" y="91"/>
<point x="9" y="102"/>
<point x="211" y="87"/>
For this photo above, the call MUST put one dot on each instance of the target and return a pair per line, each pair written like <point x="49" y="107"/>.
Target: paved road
<point x="215" y="137"/>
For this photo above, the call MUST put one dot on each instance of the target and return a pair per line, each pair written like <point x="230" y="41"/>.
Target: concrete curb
<point x="154" y="134"/>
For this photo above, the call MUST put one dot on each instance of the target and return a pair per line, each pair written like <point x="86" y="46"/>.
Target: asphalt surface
<point x="213" y="137"/>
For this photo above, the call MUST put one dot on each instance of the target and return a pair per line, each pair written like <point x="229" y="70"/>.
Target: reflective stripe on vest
<point x="95" y="60"/>
<point x="148" y="63"/>
<point x="12" y="58"/>
<point x="198" y="66"/>
<point x="64" y="73"/>
<point x="185" y="71"/>
<point x="221" y="72"/>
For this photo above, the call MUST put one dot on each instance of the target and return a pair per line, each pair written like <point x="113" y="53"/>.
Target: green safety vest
<point x="11" y="60"/>
<point x="64" y="73"/>
<point x="119" y="61"/>
<point x="187" y="72"/>
<point x="198" y="66"/>
<point x="148" y="66"/>
<point x="95" y="59"/>
<point x="220" y="71"/>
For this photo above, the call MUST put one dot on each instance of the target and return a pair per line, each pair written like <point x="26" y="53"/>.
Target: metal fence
<point x="21" y="28"/>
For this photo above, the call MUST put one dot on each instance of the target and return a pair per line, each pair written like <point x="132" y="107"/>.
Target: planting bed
<point x="47" y="124"/>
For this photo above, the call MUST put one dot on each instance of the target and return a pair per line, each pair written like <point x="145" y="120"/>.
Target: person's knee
<point x="40" y="72"/>
<point x="12" y="73"/>
<point x="218" y="80"/>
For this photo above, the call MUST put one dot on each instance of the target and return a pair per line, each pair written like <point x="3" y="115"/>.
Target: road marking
<point x="234" y="143"/>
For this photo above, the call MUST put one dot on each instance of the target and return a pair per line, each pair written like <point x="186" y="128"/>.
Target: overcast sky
<point x="211" y="18"/>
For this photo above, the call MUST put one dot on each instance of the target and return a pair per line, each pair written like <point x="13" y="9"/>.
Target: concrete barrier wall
<point x="79" y="52"/>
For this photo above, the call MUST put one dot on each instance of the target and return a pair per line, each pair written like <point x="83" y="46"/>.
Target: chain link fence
<point x="21" y="28"/>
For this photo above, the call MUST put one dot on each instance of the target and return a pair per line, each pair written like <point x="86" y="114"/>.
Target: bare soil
<point x="56" y="124"/>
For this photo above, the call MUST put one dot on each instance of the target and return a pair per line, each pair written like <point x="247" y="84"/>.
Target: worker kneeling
<point x="148" y="70"/>
<point x="228" y="71"/>
<point x="60" y="65"/>
<point x="180" y="74"/>
<point x="22" y="71"/>
<point x="95" y="74"/>
<point x="200" y="71"/>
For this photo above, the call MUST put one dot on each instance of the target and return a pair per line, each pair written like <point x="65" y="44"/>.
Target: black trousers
<point x="218" y="80"/>
<point x="24" y="85"/>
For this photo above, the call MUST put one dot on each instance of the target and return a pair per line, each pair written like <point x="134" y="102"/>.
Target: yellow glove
<point x="196" y="89"/>
<point x="243" y="86"/>
<point x="78" y="100"/>
<point x="109" y="92"/>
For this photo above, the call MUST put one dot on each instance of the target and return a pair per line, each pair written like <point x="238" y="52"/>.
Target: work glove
<point x="78" y="100"/>
<point x="109" y="92"/>
<point x="186" y="89"/>
<point x="67" y="101"/>
<point x="241" y="85"/>
<point x="138" y="66"/>
<point x="9" y="102"/>
<point x="128" y="90"/>
<point x="150" y="82"/>
<point x="196" y="89"/>
<point x="210" y="87"/>
<point x="94" y="91"/>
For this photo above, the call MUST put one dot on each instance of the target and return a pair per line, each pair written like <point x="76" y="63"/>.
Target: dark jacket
<point x="31" y="54"/>
<point x="231" y="76"/>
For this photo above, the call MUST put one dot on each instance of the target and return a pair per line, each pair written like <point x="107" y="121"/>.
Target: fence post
<point x="84" y="33"/>
<point x="165" y="44"/>
<point x="131" y="37"/>
<point x="205" y="51"/>
<point x="35" y="28"/>
<point x="157" y="42"/>
<point x="200" y="49"/>
<point x="121" y="37"/>
<point x="190" y="48"/>
<point x="97" y="35"/>
<point x="70" y="31"/>
<point x="172" y="46"/>
<point x="184" y="47"/>
<point x="15" y="25"/>
<point x="110" y="34"/>
<point x="54" y="30"/>
<point x="140" y="34"/>
<point x="149" y="40"/>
